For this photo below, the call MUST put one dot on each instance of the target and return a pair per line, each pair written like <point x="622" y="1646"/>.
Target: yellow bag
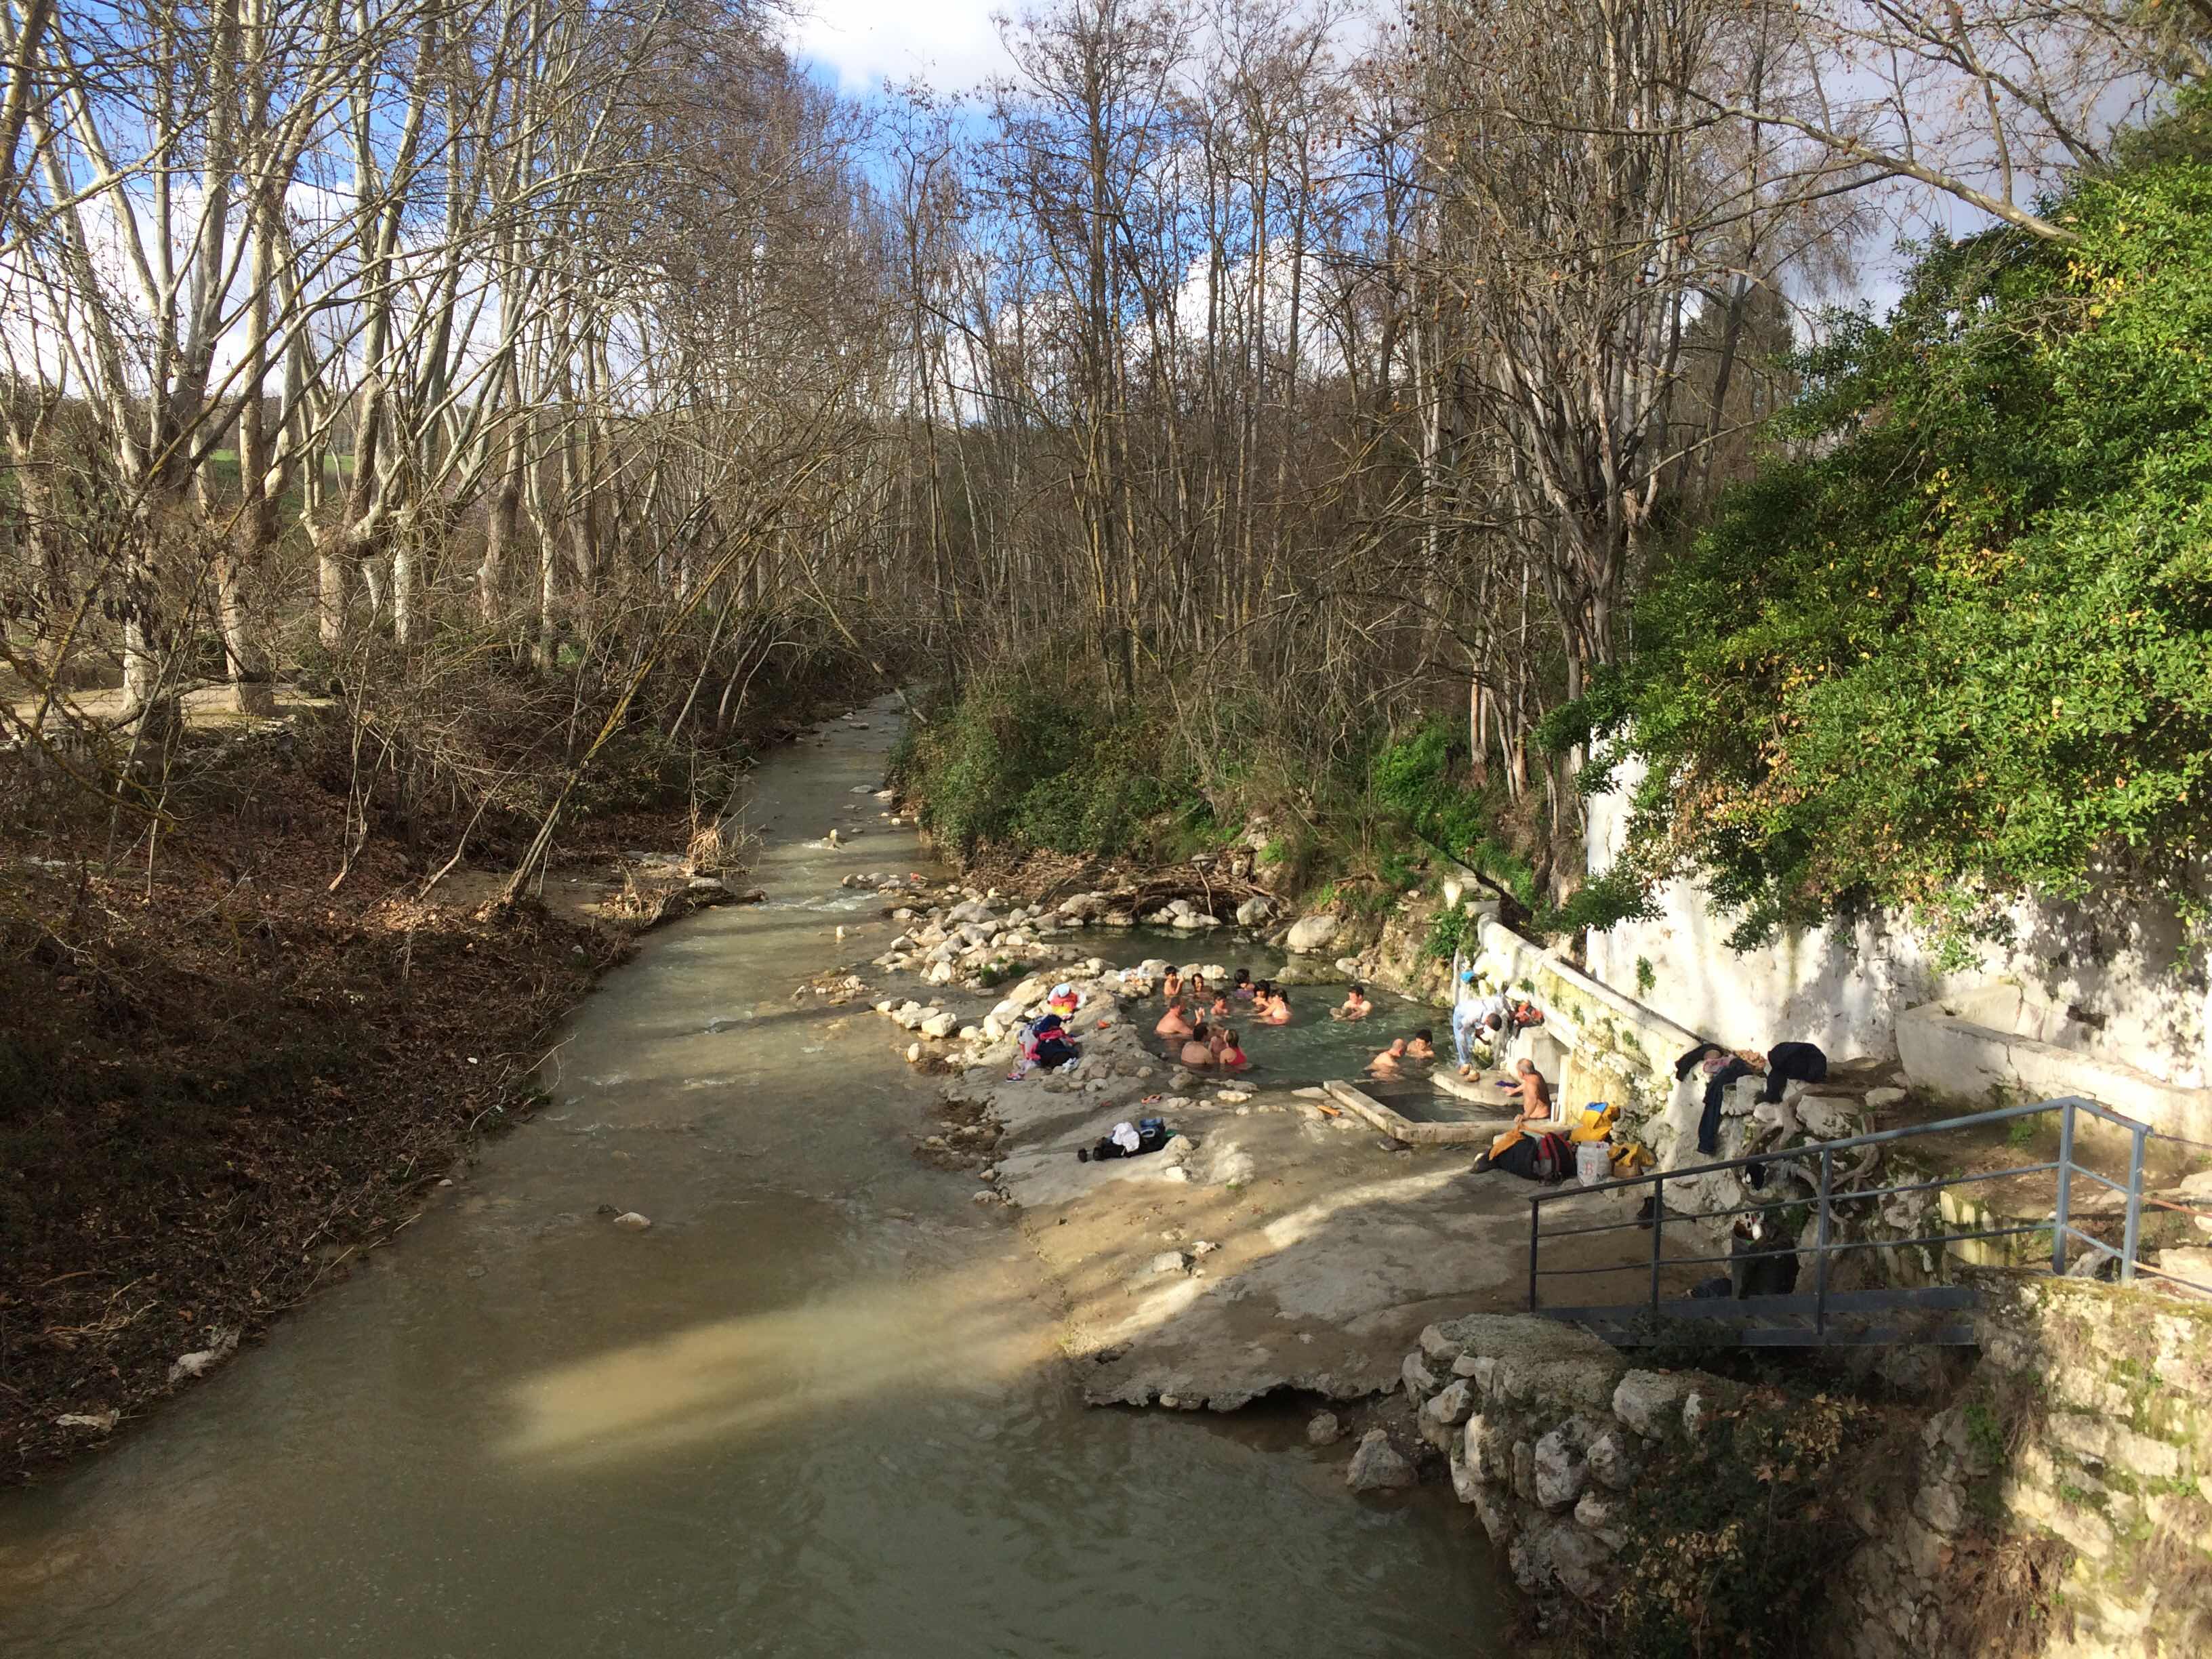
<point x="1596" y="1125"/>
<point x="1629" y="1159"/>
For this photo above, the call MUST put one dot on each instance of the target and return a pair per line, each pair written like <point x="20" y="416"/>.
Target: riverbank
<point x="227" y="1075"/>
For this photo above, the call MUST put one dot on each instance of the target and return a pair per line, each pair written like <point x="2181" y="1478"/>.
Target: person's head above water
<point x="1200" y="1031"/>
<point x="1243" y="975"/>
<point x="1358" y="990"/>
<point x="1424" y="1036"/>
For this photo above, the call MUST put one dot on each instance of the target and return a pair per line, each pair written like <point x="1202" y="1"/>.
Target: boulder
<point x="1377" y="1467"/>
<point x="942" y="1024"/>
<point x="1323" y="1428"/>
<point x="1453" y="1404"/>
<point x="1608" y="1462"/>
<point x="1254" y="911"/>
<point x="1557" y="1470"/>
<point x="1828" y="1117"/>
<point x="1650" y="1402"/>
<point x="1419" y="1380"/>
<point x="1311" y="933"/>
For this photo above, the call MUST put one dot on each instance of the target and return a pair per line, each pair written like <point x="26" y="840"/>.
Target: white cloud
<point x="948" y="43"/>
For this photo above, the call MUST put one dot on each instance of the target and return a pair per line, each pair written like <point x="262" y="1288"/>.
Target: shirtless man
<point x="1535" y="1093"/>
<point x="1423" y="1047"/>
<point x="1355" y="1005"/>
<point x="1198" y="1050"/>
<point x="1385" y="1064"/>
<point x="1172" y="1023"/>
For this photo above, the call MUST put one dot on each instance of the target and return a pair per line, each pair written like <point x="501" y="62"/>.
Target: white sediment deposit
<point x="1309" y="1253"/>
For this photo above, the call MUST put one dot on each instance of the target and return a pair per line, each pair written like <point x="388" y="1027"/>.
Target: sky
<point x="862" y="43"/>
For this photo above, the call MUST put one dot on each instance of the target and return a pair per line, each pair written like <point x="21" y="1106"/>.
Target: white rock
<point x="1254" y="911"/>
<point x="1649" y="1402"/>
<point x="1878" y="1099"/>
<point x="1695" y="1410"/>
<point x="633" y="1221"/>
<point x="1608" y="1462"/>
<point x="1558" y="1470"/>
<point x="199" y="1364"/>
<point x="1452" y="1405"/>
<point x="942" y="1024"/>
<point x="1375" y="1467"/>
<point x="1311" y="933"/>
<point x="1826" y="1117"/>
<point x="1170" y="1261"/>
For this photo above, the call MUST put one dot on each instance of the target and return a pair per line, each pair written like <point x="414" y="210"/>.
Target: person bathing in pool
<point x="1355" y="1005"/>
<point x="1172" y="1023"/>
<point x="1171" y="987"/>
<point x="1197" y="1047"/>
<point x="1231" y="1058"/>
<point x="1274" y="1007"/>
<point x="1220" y="1010"/>
<point x="1242" y="988"/>
<point x="1388" y="1066"/>
<point x="1423" y="1047"/>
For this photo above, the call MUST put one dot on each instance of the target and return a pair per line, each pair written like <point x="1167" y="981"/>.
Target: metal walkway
<point x="1930" y="1313"/>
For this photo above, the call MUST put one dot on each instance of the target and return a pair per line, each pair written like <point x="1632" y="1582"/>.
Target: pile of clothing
<point x="1785" y="1063"/>
<point x="1146" y="1134"/>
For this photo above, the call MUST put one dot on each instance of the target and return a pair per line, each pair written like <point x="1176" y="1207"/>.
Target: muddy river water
<point x="815" y="1409"/>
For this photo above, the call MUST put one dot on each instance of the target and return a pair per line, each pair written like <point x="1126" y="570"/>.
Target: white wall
<point x="1843" y="987"/>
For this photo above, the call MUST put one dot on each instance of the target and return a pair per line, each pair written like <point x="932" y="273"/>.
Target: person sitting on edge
<point x="1535" y="1093"/>
<point x="1197" y="1049"/>
<point x="1172" y="1023"/>
<point x="1385" y="1064"/>
<point x="1423" y="1047"/>
<point x="1274" y="1006"/>
<point x="1355" y="1005"/>
<point x="1231" y="1057"/>
<point x="1242" y="988"/>
<point x="1171" y="987"/>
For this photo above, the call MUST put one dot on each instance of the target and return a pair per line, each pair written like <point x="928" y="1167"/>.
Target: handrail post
<point x="1658" y="1221"/>
<point x="1534" y="1210"/>
<point x="2064" y="1218"/>
<point x="1821" y="1249"/>
<point x="2134" y="1207"/>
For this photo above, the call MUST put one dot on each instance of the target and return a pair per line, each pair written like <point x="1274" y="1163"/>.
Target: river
<point x="815" y="1409"/>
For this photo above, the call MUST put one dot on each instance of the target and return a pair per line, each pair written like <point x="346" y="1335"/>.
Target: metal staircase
<point x="1941" y="1313"/>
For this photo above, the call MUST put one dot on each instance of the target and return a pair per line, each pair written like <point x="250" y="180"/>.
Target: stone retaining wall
<point x="2058" y="1490"/>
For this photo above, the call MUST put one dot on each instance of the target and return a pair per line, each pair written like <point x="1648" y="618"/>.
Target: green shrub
<point x="1013" y="763"/>
<point x="1956" y="644"/>
<point x="1413" y="780"/>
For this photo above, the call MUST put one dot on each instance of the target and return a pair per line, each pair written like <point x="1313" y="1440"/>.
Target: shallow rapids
<point x="815" y="1409"/>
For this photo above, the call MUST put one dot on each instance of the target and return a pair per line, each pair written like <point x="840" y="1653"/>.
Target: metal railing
<point x="1828" y="1246"/>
